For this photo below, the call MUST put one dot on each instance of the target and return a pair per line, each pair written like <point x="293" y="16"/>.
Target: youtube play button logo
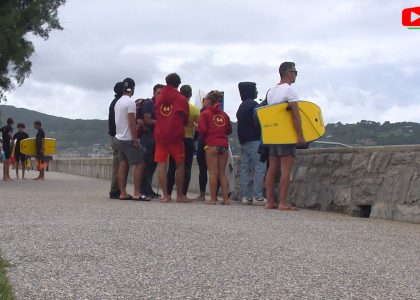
<point x="411" y="17"/>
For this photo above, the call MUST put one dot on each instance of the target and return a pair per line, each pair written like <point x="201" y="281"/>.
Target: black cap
<point x="128" y="84"/>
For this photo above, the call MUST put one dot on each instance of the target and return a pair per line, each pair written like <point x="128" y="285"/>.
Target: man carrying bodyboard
<point x="281" y="156"/>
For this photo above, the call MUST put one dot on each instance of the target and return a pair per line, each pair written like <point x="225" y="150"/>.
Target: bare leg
<point x="122" y="178"/>
<point x="23" y="168"/>
<point x="269" y="181"/>
<point x="212" y="167"/>
<point x="41" y="167"/>
<point x="286" y="168"/>
<point x="17" y="169"/>
<point x="138" y="173"/>
<point x="5" y="163"/>
<point x="42" y="174"/>
<point x="163" y="182"/>
<point x="221" y="164"/>
<point x="6" y="170"/>
<point x="201" y="197"/>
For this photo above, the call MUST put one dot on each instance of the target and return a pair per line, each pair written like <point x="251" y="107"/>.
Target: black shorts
<point x="7" y="152"/>
<point x="19" y="156"/>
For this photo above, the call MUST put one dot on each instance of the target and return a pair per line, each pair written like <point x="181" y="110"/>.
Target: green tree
<point x="19" y="19"/>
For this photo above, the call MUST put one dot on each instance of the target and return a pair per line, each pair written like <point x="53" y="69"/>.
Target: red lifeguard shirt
<point x="214" y="126"/>
<point x="172" y="115"/>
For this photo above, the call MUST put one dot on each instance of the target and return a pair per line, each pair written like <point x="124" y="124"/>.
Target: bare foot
<point x="183" y="199"/>
<point x="39" y="178"/>
<point x="212" y="202"/>
<point x="226" y="202"/>
<point x="270" y="205"/>
<point x="165" y="199"/>
<point x="200" y="198"/>
<point x="288" y="208"/>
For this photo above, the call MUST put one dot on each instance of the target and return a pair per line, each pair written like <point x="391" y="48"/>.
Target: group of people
<point x="160" y="132"/>
<point x="11" y="148"/>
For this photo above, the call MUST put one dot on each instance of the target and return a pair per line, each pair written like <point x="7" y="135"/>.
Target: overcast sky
<point x="354" y="57"/>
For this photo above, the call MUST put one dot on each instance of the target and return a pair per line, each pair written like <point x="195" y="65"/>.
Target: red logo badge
<point x="219" y="120"/>
<point x="165" y="109"/>
<point x="411" y="17"/>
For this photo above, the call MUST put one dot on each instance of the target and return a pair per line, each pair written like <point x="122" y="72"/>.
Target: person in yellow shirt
<point x="186" y="91"/>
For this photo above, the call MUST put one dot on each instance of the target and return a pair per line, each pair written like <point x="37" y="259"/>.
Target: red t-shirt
<point x="214" y="126"/>
<point x="172" y="114"/>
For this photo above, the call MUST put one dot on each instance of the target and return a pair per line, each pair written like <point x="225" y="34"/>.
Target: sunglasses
<point x="295" y="72"/>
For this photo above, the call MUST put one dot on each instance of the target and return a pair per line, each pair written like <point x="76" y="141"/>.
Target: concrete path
<point x="66" y="240"/>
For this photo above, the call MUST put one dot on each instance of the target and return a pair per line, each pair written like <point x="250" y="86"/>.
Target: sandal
<point x="129" y="197"/>
<point x="142" y="197"/>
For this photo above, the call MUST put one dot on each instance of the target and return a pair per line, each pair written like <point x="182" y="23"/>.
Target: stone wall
<point x="384" y="181"/>
<point x="380" y="182"/>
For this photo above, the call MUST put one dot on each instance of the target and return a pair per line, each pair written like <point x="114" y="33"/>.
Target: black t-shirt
<point x="148" y="107"/>
<point x="6" y="134"/>
<point x="40" y="135"/>
<point x="18" y="137"/>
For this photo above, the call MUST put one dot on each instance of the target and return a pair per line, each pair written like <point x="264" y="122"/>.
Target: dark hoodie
<point x="214" y="126"/>
<point x="172" y="114"/>
<point x="112" y="130"/>
<point x="248" y="128"/>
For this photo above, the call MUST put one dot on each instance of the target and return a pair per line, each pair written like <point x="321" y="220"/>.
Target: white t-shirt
<point x="123" y="107"/>
<point x="281" y="93"/>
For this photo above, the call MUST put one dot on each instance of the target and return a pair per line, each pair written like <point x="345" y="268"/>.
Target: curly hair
<point x="173" y="80"/>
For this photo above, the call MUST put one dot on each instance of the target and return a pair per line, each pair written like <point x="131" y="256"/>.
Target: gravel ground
<point x="66" y="240"/>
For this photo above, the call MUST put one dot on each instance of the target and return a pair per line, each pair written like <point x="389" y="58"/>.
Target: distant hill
<point x="72" y="135"/>
<point x="369" y="133"/>
<point x="90" y="137"/>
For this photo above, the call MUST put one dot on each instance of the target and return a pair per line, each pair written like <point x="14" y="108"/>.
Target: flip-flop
<point x="142" y="198"/>
<point x="289" y="208"/>
<point x="129" y="197"/>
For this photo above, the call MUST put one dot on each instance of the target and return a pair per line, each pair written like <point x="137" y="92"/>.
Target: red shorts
<point x="177" y="151"/>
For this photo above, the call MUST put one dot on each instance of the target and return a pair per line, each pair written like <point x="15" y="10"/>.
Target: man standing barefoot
<point x="281" y="156"/>
<point x="172" y="114"/>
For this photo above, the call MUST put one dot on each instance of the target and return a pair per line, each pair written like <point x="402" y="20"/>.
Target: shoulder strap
<point x="264" y="102"/>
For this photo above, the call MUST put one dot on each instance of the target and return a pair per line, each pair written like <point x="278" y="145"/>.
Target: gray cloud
<point x="353" y="57"/>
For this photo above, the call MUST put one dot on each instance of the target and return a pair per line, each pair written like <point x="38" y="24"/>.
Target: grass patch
<point x="5" y="287"/>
